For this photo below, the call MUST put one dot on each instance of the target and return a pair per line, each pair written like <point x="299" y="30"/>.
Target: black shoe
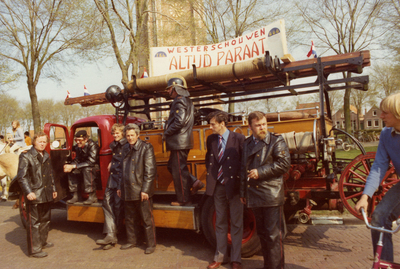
<point x="92" y="199"/>
<point x="39" y="255"/>
<point x="127" y="246"/>
<point x="74" y="198"/>
<point x="149" y="250"/>
<point x="107" y="247"/>
<point x="109" y="239"/>
<point x="48" y="245"/>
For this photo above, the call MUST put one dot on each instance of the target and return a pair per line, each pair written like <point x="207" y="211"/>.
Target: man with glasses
<point x="83" y="168"/>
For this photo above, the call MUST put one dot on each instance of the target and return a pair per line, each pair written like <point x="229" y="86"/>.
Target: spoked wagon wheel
<point x="22" y="210"/>
<point x="352" y="183"/>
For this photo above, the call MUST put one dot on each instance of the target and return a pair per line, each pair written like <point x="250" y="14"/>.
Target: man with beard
<point x="178" y="136"/>
<point x="35" y="177"/>
<point x="265" y="159"/>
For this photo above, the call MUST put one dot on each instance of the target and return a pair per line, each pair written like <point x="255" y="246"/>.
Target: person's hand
<point x="362" y="203"/>
<point x="54" y="195"/>
<point x="253" y="174"/>
<point x="144" y="196"/>
<point x="109" y="167"/>
<point x="243" y="200"/>
<point x="31" y="196"/>
<point x="68" y="168"/>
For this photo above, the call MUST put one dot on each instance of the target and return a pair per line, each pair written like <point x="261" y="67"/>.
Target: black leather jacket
<point x="139" y="171"/>
<point x="88" y="156"/>
<point x="271" y="158"/>
<point x="36" y="176"/>
<point x="114" y="180"/>
<point x="179" y="128"/>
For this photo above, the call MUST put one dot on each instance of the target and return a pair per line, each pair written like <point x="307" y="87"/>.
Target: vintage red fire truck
<point x="317" y="179"/>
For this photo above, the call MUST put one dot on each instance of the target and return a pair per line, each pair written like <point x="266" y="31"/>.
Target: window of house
<point x="374" y="113"/>
<point x="338" y="124"/>
<point x="369" y="123"/>
<point x="376" y="123"/>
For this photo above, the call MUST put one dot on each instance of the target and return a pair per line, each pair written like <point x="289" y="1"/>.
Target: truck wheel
<point x="352" y="183"/>
<point x="22" y="210"/>
<point x="250" y="242"/>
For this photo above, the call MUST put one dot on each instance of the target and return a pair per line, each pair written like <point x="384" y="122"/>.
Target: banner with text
<point x="272" y="38"/>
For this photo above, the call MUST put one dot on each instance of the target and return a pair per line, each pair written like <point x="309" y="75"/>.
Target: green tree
<point x="36" y="35"/>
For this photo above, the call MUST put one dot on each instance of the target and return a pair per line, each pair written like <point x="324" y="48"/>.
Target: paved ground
<point x="306" y="246"/>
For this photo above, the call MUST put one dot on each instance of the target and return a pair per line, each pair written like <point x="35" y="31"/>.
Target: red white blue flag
<point x="312" y="51"/>
<point x="144" y="75"/>
<point x="85" y="91"/>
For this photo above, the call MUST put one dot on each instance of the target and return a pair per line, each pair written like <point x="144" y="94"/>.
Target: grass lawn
<point x="341" y="154"/>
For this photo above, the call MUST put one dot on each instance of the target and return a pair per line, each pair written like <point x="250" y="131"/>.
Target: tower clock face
<point x="176" y="10"/>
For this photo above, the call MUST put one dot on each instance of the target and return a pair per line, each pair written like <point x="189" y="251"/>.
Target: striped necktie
<point x="220" y="177"/>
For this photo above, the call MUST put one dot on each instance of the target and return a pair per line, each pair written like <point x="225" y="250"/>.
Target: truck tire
<point x="22" y="210"/>
<point x="250" y="242"/>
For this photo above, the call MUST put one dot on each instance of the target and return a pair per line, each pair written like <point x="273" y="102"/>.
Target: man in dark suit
<point x="224" y="150"/>
<point x="265" y="159"/>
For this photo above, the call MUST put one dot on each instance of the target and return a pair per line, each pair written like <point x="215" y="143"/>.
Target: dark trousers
<point x="87" y="175"/>
<point x="38" y="226"/>
<point x="270" y="224"/>
<point x="228" y="211"/>
<point x="183" y="179"/>
<point x="387" y="211"/>
<point x="113" y="211"/>
<point x="137" y="212"/>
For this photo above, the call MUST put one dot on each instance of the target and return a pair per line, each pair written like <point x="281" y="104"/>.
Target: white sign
<point x="272" y="38"/>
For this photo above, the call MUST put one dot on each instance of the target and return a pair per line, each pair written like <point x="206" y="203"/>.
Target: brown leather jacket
<point x="36" y="176"/>
<point x="178" y="132"/>
<point x="271" y="158"/>
<point x="139" y="171"/>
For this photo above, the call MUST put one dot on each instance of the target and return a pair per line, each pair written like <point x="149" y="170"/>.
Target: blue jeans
<point x="387" y="211"/>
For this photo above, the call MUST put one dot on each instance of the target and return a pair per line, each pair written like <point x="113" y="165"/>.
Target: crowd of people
<point x="240" y="171"/>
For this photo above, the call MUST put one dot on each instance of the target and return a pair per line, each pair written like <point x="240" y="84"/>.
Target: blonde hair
<point x="117" y="126"/>
<point x="18" y="125"/>
<point x="40" y="134"/>
<point x="391" y="104"/>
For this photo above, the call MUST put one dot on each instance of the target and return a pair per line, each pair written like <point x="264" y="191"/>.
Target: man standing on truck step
<point x="265" y="159"/>
<point x="224" y="152"/>
<point x="178" y="136"/>
<point x="83" y="168"/>
<point x="35" y="177"/>
<point x="137" y="188"/>
<point x="112" y="202"/>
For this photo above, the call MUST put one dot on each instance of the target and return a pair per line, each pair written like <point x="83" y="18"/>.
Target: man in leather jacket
<point x="178" y="135"/>
<point x="84" y="166"/>
<point x="35" y="177"/>
<point x="265" y="159"/>
<point x="112" y="202"/>
<point x="137" y="189"/>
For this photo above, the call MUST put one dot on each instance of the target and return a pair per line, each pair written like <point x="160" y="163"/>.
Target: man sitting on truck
<point x="178" y="135"/>
<point x="83" y="168"/>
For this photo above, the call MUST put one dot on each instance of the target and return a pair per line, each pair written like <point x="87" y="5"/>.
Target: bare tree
<point x="126" y="22"/>
<point x="38" y="34"/>
<point x="9" y="111"/>
<point x="385" y="79"/>
<point x="343" y="26"/>
<point x="228" y="19"/>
